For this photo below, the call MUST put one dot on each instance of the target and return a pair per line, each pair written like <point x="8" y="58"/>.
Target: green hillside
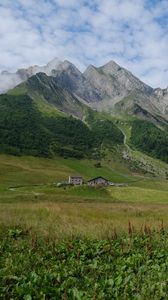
<point x="150" y="139"/>
<point x="49" y="97"/>
<point x="26" y="130"/>
<point x="29" y="170"/>
<point x="59" y="124"/>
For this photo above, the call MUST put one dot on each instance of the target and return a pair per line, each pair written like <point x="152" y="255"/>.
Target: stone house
<point x="75" y="180"/>
<point x="98" y="181"/>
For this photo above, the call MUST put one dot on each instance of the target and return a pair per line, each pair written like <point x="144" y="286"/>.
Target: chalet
<point x="99" y="181"/>
<point x="75" y="180"/>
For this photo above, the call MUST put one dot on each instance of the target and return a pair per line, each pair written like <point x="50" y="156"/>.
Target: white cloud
<point x="133" y="33"/>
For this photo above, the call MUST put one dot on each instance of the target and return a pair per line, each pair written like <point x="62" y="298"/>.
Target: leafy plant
<point x="130" y="266"/>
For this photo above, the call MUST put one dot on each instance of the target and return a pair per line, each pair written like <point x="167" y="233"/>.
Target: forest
<point x="25" y="131"/>
<point x="150" y="139"/>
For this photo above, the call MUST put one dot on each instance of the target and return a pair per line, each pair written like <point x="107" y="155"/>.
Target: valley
<point x="57" y="240"/>
<point x="83" y="150"/>
<point x="52" y="127"/>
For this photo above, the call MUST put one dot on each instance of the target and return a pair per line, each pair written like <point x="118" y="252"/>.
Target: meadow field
<point x="81" y="242"/>
<point x="29" y="197"/>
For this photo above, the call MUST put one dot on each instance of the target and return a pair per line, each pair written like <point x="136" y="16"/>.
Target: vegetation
<point x="105" y="130"/>
<point x="132" y="266"/>
<point x="149" y="139"/>
<point x="28" y="171"/>
<point x="21" y="129"/>
<point x="24" y="130"/>
<point x="80" y="242"/>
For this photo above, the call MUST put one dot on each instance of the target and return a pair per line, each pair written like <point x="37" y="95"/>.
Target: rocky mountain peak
<point x="90" y="69"/>
<point x="52" y="65"/>
<point x="54" y="62"/>
<point x="111" y="66"/>
<point x="66" y="66"/>
<point x="101" y="87"/>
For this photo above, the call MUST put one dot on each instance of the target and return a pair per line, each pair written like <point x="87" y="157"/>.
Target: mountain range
<point x="103" y="88"/>
<point x="102" y="98"/>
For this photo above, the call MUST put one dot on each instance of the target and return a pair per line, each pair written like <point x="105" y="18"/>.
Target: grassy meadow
<point x="29" y="197"/>
<point x="81" y="243"/>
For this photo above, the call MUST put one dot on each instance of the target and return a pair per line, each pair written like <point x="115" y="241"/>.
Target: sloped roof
<point x="80" y="177"/>
<point x="98" y="178"/>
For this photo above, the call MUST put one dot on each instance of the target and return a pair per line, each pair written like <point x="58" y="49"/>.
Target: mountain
<point x="102" y="113"/>
<point x="69" y="127"/>
<point x="108" y="87"/>
<point x="95" y="84"/>
<point x="10" y="80"/>
<point x="47" y="69"/>
<point x="70" y="78"/>
<point x="114" y="82"/>
<point x="46" y="91"/>
<point x="160" y="97"/>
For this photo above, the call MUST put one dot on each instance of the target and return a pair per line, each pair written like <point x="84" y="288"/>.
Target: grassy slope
<point x="29" y="171"/>
<point x="59" y="103"/>
<point x="134" y="160"/>
<point x="44" y="106"/>
<point x="33" y="170"/>
<point x="145" y="162"/>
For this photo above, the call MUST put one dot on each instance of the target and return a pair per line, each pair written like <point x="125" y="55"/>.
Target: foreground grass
<point x="133" y="266"/>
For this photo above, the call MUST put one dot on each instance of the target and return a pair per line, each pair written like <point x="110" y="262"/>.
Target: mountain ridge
<point x="99" y="87"/>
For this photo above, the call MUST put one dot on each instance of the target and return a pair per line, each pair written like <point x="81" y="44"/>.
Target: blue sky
<point x="134" y="33"/>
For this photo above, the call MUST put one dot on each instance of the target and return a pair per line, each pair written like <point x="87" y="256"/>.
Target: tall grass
<point x="84" y="219"/>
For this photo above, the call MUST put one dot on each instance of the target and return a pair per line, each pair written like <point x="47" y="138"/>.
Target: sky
<point x="133" y="33"/>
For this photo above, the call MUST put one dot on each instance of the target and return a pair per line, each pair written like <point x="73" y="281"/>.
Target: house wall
<point x="75" y="180"/>
<point x="98" y="181"/>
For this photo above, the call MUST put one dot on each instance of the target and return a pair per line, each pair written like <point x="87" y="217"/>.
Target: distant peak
<point x="54" y="62"/>
<point x="90" y="68"/>
<point x="67" y="66"/>
<point x="111" y="65"/>
<point x="67" y="62"/>
<point x="52" y="65"/>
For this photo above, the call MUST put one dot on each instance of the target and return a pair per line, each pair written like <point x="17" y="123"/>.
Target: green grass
<point x="31" y="183"/>
<point x="28" y="186"/>
<point x="45" y="107"/>
<point x="139" y="194"/>
<point x="18" y="90"/>
<point x="88" y="170"/>
<point x="27" y="178"/>
<point x="33" y="170"/>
